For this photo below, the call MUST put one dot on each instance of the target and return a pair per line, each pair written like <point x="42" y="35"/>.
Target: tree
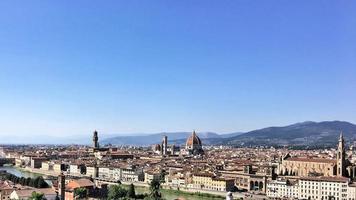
<point x="116" y="192"/>
<point x="35" y="181"/>
<point x="32" y="183"/>
<point x="131" y="191"/>
<point x="37" y="196"/>
<point x="41" y="183"/>
<point x="22" y="181"/>
<point x="162" y="175"/>
<point x="155" y="187"/>
<point x="80" y="193"/>
<point x="28" y="180"/>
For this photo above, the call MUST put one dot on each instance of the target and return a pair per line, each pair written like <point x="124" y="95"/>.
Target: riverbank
<point x="170" y="194"/>
<point x="21" y="172"/>
<point x="167" y="192"/>
<point x="40" y="171"/>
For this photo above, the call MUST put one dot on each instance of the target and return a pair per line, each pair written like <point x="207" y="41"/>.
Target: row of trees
<point x="118" y="192"/>
<point x="37" y="182"/>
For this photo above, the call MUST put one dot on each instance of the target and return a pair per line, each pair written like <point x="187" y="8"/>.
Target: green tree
<point x="35" y="181"/>
<point x="41" y="183"/>
<point x="131" y="191"/>
<point x="32" y="183"/>
<point x="80" y="193"/>
<point x="37" y="196"/>
<point x="162" y="175"/>
<point x="116" y="192"/>
<point x="155" y="187"/>
<point x="28" y="180"/>
<point x="22" y="181"/>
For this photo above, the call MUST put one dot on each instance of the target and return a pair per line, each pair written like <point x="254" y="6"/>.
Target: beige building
<point x="47" y="165"/>
<point x="207" y="181"/>
<point x="92" y="171"/>
<point x="351" y="192"/>
<point x="282" y="189"/>
<point x="152" y="175"/>
<point x="320" y="188"/>
<point x="251" y="179"/>
<point x="307" y="166"/>
<point x="57" y="167"/>
<point x="302" y="167"/>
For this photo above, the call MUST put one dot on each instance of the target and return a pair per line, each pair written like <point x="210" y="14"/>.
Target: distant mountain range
<point x="300" y="134"/>
<point x="156" y="138"/>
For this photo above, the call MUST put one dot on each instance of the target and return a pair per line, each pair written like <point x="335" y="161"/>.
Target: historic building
<point x="164" y="145"/>
<point x="251" y="178"/>
<point x="208" y="181"/>
<point x="95" y="140"/>
<point x="293" y="166"/>
<point x="96" y="149"/>
<point x="320" y="188"/>
<point x="302" y="167"/>
<point x="282" y="188"/>
<point x="340" y="157"/>
<point x="164" y="149"/>
<point x="156" y="148"/>
<point x="193" y="145"/>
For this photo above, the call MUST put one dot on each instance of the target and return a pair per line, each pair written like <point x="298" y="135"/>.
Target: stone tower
<point x="95" y="139"/>
<point x="61" y="186"/>
<point x="164" y="145"/>
<point x="340" y="157"/>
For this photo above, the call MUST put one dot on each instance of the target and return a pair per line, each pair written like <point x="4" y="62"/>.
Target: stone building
<point x="193" y="145"/>
<point x="164" y="145"/>
<point x="302" y="167"/>
<point x="95" y="140"/>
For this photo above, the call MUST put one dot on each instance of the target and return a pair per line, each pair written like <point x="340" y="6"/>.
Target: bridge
<point x="4" y="161"/>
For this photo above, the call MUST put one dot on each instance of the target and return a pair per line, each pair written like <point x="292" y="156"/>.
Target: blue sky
<point x="69" y="67"/>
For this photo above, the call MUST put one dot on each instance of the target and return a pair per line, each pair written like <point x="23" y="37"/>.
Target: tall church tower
<point x="340" y="157"/>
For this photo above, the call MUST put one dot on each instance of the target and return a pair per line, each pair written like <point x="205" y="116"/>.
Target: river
<point x="18" y="172"/>
<point x="21" y="173"/>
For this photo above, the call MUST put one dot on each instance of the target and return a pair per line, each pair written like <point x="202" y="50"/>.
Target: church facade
<point x="303" y="167"/>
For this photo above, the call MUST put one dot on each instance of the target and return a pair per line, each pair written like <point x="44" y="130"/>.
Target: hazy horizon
<point x="86" y="138"/>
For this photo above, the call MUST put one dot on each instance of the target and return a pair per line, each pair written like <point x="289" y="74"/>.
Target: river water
<point x="18" y="172"/>
<point x="139" y="190"/>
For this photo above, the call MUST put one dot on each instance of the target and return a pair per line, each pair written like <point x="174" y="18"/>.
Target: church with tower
<point x="304" y="167"/>
<point x="340" y="157"/>
<point x="193" y="147"/>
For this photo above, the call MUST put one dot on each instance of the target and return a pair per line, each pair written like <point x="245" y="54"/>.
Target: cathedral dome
<point x="193" y="140"/>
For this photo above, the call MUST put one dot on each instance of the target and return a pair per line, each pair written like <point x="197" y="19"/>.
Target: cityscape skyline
<point x="178" y="100"/>
<point x="68" y="69"/>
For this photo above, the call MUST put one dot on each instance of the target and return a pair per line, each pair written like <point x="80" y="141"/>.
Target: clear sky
<point x="69" y="67"/>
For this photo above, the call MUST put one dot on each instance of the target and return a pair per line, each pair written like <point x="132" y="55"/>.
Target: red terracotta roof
<point x="319" y="160"/>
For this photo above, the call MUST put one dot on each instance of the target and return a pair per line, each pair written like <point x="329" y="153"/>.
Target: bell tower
<point x="95" y="139"/>
<point x="340" y="157"/>
<point x="164" y="145"/>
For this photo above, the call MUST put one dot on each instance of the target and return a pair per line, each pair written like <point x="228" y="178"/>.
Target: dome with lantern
<point x="194" y="144"/>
